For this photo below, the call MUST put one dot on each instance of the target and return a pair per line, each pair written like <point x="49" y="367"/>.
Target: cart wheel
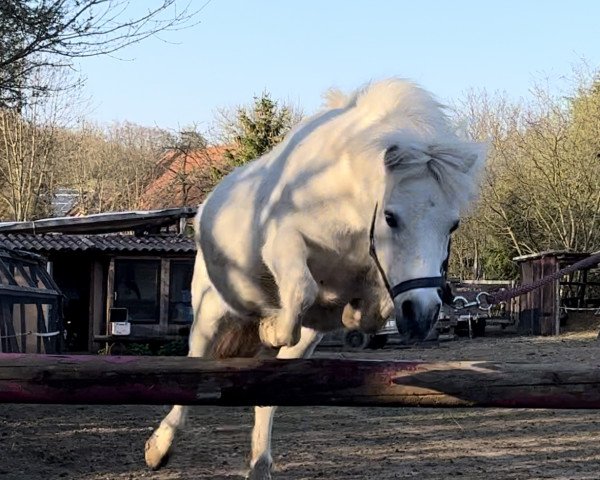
<point x="355" y="340"/>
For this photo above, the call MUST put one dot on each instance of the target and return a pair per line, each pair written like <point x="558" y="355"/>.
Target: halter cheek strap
<point x="439" y="282"/>
<point x="373" y="253"/>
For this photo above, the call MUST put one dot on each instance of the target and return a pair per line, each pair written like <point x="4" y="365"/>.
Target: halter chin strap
<point x="424" y="282"/>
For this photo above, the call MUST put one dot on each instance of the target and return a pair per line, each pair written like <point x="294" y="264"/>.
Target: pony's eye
<point x="390" y="219"/>
<point x="455" y="227"/>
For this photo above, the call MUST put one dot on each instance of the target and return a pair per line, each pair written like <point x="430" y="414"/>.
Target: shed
<point x="30" y="305"/>
<point x="133" y="266"/>
<point x="540" y="310"/>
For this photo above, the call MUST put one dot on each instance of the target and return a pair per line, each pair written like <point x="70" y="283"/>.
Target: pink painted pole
<point x="55" y="379"/>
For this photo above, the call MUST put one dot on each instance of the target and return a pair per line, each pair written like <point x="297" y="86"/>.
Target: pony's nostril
<point x="408" y="310"/>
<point x="417" y="319"/>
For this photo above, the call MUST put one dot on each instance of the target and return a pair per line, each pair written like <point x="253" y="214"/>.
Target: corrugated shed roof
<point x="98" y="223"/>
<point x="53" y="243"/>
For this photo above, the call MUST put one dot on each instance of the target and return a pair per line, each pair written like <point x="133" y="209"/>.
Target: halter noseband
<point x="424" y="282"/>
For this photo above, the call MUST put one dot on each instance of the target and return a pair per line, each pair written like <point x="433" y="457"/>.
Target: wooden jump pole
<point x="54" y="379"/>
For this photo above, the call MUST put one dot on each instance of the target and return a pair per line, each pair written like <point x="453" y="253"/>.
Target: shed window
<point x="137" y="289"/>
<point x="180" y="295"/>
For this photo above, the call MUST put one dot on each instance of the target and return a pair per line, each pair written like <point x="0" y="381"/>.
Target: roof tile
<point x="47" y="243"/>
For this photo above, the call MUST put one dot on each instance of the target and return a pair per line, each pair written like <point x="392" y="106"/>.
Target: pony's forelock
<point x="397" y="114"/>
<point x="455" y="166"/>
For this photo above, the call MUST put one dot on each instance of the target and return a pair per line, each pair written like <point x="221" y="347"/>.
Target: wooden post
<point x="9" y="327"/>
<point x="23" y="327"/>
<point x="54" y="379"/>
<point x="98" y="296"/>
<point x="163" y="309"/>
<point x="110" y="293"/>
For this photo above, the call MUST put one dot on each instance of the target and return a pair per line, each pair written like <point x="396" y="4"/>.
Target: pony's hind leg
<point x="209" y="311"/>
<point x="285" y="255"/>
<point x="261" y="461"/>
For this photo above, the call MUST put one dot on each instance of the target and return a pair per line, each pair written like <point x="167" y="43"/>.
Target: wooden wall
<point x="539" y="309"/>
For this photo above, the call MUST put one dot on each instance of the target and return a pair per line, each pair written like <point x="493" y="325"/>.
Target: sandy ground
<point x="93" y="443"/>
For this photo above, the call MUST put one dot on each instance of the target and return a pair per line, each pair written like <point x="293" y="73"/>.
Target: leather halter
<point x="439" y="282"/>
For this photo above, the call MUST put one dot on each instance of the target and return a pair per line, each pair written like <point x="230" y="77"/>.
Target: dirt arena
<point x="94" y="443"/>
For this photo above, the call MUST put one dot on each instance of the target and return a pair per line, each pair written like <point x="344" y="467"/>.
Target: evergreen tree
<point x="257" y="129"/>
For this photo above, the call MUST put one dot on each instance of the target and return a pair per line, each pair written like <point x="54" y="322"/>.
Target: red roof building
<point x="185" y="179"/>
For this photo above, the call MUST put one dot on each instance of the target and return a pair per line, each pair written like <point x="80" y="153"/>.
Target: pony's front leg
<point x="285" y="255"/>
<point x="209" y="311"/>
<point x="159" y="445"/>
<point x="261" y="461"/>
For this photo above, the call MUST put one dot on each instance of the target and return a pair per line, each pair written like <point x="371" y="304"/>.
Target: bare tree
<point x="188" y="171"/>
<point x="27" y="154"/>
<point x="50" y="33"/>
<point x="110" y="168"/>
<point x="183" y="163"/>
<point x="541" y="190"/>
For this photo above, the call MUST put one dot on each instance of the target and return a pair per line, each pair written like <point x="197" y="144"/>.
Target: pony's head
<point x="419" y="176"/>
<point x="426" y="188"/>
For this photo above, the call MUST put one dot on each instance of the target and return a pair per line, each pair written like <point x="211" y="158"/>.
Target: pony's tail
<point x="237" y="339"/>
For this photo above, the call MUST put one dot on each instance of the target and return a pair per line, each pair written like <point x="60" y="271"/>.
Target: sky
<point x="297" y="49"/>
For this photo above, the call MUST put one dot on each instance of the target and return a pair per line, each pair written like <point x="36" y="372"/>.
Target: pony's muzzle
<point x="416" y="315"/>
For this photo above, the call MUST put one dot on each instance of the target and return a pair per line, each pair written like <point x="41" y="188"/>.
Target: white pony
<point x="284" y="242"/>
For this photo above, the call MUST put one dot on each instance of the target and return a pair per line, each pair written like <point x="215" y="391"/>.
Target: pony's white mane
<point x="396" y="114"/>
<point x="335" y="98"/>
<point x="395" y="101"/>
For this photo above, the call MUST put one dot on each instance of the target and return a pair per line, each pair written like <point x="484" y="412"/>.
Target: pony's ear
<point x="397" y="155"/>
<point x="466" y="157"/>
<point x="479" y="153"/>
<point x="468" y="161"/>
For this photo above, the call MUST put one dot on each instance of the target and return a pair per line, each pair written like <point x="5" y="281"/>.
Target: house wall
<point x="159" y="328"/>
<point x="99" y="285"/>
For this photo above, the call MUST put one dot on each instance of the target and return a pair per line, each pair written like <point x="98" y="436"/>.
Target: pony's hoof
<point x="261" y="470"/>
<point x="156" y="451"/>
<point x="273" y="335"/>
